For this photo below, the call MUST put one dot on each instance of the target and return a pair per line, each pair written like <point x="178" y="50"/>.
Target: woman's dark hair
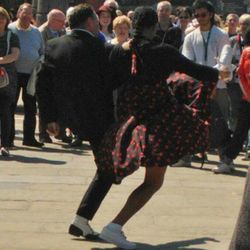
<point x="246" y="39"/>
<point x="105" y="8"/>
<point x="80" y="15"/>
<point x="144" y="17"/>
<point x="184" y="9"/>
<point x="204" y="4"/>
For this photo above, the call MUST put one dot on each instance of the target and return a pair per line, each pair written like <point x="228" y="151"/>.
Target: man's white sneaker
<point x="181" y="163"/>
<point x="116" y="237"/>
<point x="223" y="168"/>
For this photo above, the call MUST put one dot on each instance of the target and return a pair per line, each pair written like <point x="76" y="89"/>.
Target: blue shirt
<point x="31" y="47"/>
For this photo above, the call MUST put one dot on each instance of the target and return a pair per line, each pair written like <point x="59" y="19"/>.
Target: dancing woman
<point x="153" y="129"/>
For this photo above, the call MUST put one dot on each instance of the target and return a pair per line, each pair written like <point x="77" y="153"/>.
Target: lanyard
<point x="240" y="43"/>
<point x="205" y="43"/>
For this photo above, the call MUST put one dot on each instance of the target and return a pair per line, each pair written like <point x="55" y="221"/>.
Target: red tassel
<point x="133" y="66"/>
<point x="1" y="72"/>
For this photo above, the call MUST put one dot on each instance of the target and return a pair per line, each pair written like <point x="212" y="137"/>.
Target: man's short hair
<point x="80" y="14"/>
<point x="22" y="6"/>
<point x="245" y="18"/>
<point x="232" y="15"/>
<point x="165" y="4"/>
<point x="54" y="13"/>
<point x="203" y="4"/>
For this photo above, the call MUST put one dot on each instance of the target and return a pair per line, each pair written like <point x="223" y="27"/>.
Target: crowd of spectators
<point x="198" y="33"/>
<point x="179" y="27"/>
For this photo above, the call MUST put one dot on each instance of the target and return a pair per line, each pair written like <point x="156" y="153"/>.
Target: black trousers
<point x="5" y="119"/>
<point x="29" y="122"/>
<point x="241" y="236"/>
<point x="235" y="95"/>
<point x="240" y="134"/>
<point x="96" y="192"/>
<point x="42" y="129"/>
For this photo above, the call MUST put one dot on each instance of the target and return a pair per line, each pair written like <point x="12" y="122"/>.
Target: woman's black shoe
<point x="33" y="143"/>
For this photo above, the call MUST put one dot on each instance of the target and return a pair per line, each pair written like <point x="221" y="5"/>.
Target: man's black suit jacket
<point x="73" y="85"/>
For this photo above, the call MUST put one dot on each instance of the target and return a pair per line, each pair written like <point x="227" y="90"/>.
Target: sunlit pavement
<point x="40" y="190"/>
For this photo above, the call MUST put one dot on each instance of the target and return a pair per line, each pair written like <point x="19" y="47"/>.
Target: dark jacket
<point x="73" y="86"/>
<point x="172" y="36"/>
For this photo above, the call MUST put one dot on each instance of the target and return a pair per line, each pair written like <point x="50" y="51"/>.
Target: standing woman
<point x="105" y="20"/>
<point x="153" y="130"/>
<point x="121" y="28"/>
<point x="9" y="52"/>
<point x="184" y="15"/>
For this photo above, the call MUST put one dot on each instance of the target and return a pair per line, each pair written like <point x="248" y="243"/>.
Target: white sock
<point x="115" y="226"/>
<point x="79" y="221"/>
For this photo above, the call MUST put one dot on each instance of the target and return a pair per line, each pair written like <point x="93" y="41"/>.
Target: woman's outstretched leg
<point x="153" y="181"/>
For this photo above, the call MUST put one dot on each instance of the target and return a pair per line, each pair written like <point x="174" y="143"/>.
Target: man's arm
<point x="188" y="49"/>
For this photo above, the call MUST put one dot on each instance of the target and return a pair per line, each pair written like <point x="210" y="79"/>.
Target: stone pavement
<point x="40" y="190"/>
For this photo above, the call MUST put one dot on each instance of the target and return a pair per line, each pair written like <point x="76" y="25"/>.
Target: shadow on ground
<point x="236" y="172"/>
<point x="31" y="160"/>
<point x="76" y="151"/>
<point x="176" y="245"/>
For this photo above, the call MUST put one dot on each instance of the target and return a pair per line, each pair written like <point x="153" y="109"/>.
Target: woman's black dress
<point x="153" y="128"/>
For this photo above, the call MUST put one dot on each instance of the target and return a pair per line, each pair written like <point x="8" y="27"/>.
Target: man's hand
<point x="53" y="129"/>
<point x="225" y="73"/>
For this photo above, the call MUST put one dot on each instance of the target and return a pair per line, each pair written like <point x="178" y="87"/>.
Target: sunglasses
<point x="183" y="17"/>
<point x="200" y="15"/>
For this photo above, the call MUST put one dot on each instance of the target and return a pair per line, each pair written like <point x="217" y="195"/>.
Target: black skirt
<point x="154" y="128"/>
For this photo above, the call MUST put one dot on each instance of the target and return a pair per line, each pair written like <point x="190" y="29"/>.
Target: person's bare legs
<point x="153" y="181"/>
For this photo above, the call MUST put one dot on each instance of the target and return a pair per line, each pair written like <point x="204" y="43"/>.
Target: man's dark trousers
<point x="29" y="102"/>
<point x="96" y="192"/>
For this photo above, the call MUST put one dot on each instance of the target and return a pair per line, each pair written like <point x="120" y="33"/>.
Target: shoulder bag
<point x="4" y="78"/>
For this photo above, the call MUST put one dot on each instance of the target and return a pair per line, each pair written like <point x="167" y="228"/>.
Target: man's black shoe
<point x="33" y="143"/>
<point x="66" y="139"/>
<point x="91" y="235"/>
<point x="46" y="139"/>
<point x="76" y="143"/>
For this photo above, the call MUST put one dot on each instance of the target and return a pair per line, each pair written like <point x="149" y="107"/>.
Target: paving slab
<point x="40" y="190"/>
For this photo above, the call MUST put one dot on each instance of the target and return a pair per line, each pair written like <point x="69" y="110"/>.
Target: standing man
<point x="54" y="27"/>
<point x="232" y="23"/>
<point x="204" y="45"/>
<point x="31" y="44"/>
<point x="71" y="88"/>
<point x="234" y="89"/>
<point x="166" y="31"/>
